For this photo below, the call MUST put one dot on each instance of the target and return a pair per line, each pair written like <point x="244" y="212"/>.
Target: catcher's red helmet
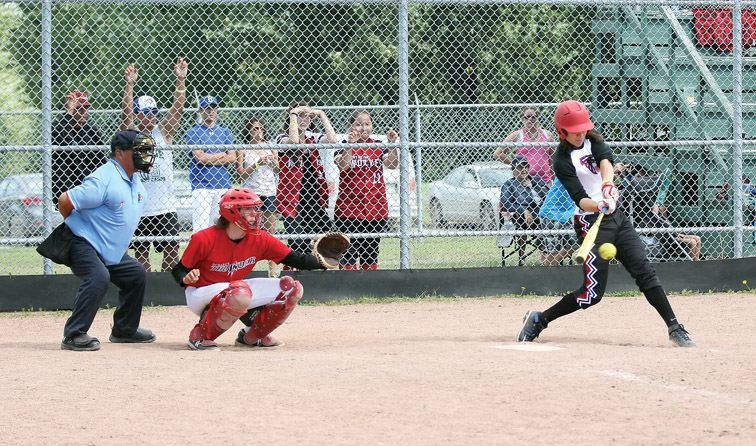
<point x="572" y="117"/>
<point x="234" y="200"/>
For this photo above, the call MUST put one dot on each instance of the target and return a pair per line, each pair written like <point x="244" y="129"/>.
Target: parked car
<point x="469" y="195"/>
<point x="21" y="207"/>
<point x="183" y="190"/>
<point x="390" y="176"/>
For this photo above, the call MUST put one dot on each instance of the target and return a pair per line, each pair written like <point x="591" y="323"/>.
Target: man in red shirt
<point x="213" y="270"/>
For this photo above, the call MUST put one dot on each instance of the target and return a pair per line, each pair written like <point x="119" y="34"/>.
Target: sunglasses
<point x="530" y="117"/>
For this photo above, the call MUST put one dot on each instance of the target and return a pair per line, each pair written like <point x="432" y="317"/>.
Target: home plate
<point x="529" y="347"/>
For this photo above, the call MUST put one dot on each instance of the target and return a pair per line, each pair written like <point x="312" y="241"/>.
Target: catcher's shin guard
<point x="275" y="313"/>
<point x="224" y="309"/>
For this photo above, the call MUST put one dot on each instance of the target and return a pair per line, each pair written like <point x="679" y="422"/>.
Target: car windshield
<point x="493" y="177"/>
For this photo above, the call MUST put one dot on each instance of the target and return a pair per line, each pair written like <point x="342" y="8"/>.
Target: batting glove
<point x="609" y="190"/>
<point x="607" y="205"/>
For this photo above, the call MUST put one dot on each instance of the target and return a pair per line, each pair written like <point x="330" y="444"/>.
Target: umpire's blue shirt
<point x="107" y="208"/>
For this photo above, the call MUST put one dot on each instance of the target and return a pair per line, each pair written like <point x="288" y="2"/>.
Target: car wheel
<point x="437" y="215"/>
<point x="488" y="220"/>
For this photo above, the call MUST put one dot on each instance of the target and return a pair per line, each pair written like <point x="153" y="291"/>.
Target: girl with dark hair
<point x="302" y="194"/>
<point x="258" y="170"/>
<point x="362" y="206"/>
<point x="584" y="164"/>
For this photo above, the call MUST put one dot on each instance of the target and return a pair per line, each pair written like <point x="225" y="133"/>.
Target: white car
<point x="391" y="177"/>
<point x="469" y="195"/>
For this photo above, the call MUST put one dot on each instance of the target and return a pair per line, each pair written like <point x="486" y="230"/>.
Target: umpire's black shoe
<point x="680" y="337"/>
<point x="532" y="325"/>
<point x="80" y="343"/>
<point x="141" y="336"/>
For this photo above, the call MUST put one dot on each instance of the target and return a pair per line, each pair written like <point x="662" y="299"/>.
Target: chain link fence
<point x="425" y="127"/>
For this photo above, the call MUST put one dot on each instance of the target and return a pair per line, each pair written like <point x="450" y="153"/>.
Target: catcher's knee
<point x="291" y="291"/>
<point x="223" y="310"/>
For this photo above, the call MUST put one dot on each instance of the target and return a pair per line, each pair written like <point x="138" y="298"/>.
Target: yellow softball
<point x="607" y="251"/>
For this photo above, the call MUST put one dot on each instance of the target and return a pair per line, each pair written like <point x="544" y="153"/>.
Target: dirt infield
<point x="421" y="372"/>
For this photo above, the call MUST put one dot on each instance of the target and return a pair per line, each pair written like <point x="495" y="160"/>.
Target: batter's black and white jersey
<point x="578" y="169"/>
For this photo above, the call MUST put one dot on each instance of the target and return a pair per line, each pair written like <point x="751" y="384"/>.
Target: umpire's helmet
<point x="143" y="147"/>
<point x="234" y="200"/>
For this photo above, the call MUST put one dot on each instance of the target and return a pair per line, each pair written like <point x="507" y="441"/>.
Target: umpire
<point x="103" y="213"/>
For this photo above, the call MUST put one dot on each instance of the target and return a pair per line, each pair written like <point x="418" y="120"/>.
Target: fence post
<point x="404" y="226"/>
<point x="418" y="167"/>
<point x="47" y="208"/>
<point x="737" y="128"/>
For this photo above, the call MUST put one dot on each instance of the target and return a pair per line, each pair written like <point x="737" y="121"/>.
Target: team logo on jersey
<point x="589" y="162"/>
<point x="232" y="267"/>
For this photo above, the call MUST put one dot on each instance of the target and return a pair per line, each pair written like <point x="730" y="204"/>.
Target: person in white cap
<point x="159" y="218"/>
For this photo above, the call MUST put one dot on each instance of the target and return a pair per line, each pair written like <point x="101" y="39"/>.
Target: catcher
<point x="217" y="260"/>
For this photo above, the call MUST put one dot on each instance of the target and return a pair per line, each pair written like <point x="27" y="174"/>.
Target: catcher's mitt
<point x="328" y="249"/>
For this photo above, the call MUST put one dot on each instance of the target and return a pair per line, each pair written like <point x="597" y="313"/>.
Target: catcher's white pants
<point x="264" y="291"/>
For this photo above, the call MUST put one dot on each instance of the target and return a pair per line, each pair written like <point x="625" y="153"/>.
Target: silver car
<point x="21" y="207"/>
<point x="469" y="195"/>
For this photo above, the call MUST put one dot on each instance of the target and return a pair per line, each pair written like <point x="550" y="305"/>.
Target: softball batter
<point x="584" y="163"/>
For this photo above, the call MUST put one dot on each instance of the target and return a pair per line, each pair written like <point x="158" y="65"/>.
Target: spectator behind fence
<point x="362" y="205"/>
<point x="258" y="171"/>
<point x="521" y="198"/>
<point x="159" y="218"/>
<point x="644" y="198"/>
<point x="302" y="195"/>
<point x="539" y="157"/>
<point x="69" y="167"/>
<point x="103" y="213"/>
<point x="556" y="213"/>
<point x="208" y="171"/>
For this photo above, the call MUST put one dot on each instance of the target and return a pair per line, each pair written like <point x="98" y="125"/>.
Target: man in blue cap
<point x="102" y="213"/>
<point x="208" y="171"/>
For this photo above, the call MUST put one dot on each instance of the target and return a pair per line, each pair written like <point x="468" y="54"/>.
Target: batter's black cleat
<point x="680" y="337"/>
<point x="80" y="343"/>
<point x="532" y="325"/>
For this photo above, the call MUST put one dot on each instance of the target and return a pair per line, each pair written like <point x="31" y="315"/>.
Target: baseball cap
<point x="208" y="101"/>
<point x="124" y="139"/>
<point x="145" y="104"/>
<point x="81" y="97"/>
<point x="518" y="161"/>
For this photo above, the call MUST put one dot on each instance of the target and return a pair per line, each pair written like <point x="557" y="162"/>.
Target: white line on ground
<point x="709" y="394"/>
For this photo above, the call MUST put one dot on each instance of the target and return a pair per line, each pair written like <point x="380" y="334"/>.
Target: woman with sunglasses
<point x="539" y="157"/>
<point x="302" y="195"/>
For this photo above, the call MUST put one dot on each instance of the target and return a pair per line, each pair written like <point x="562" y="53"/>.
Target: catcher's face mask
<point x="144" y="153"/>
<point x="251" y="218"/>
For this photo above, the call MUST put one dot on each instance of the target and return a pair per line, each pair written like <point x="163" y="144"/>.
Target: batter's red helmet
<point x="235" y="199"/>
<point x="572" y="117"/>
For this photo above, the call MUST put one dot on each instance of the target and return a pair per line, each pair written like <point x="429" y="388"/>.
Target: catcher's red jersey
<point x="362" y="189"/>
<point x="221" y="259"/>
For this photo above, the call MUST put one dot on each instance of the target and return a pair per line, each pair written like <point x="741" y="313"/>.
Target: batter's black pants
<point x="631" y="253"/>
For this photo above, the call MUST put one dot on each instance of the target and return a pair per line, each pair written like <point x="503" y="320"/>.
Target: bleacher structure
<point x="654" y="80"/>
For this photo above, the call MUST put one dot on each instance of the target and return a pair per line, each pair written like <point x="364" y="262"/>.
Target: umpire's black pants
<point x="128" y="275"/>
